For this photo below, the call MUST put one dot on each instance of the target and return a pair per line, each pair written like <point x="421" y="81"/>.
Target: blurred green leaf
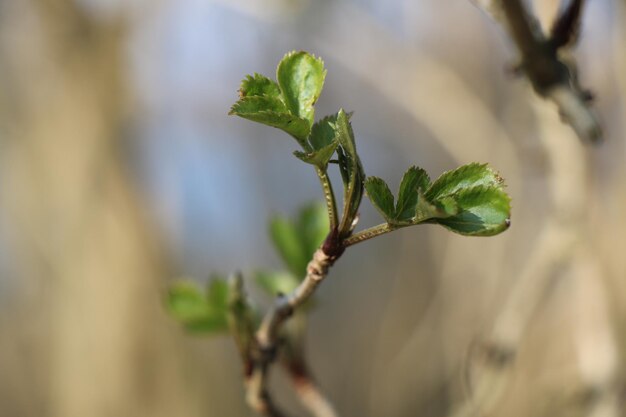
<point x="414" y="180"/>
<point x="313" y="227"/>
<point x="276" y="282"/>
<point x="466" y="176"/>
<point x="381" y="197"/>
<point x="272" y="112"/>
<point x="185" y="301"/>
<point x="300" y="76"/>
<point x="199" y="313"/>
<point x="297" y="240"/>
<point x="217" y="294"/>
<point x="286" y="239"/>
<point x="259" y="85"/>
<point x="482" y="211"/>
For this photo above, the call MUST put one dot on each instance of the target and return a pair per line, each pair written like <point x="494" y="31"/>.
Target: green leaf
<point x="197" y="312"/>
<point x="313" y="227"/>
<point x="323" y="132"/>
<point x="258" y="104"/>
<point x="185" y="301"/>
<point x="426" y="210"/>
<point x="351" y="171"/>
<point x="259" y="85"/>
<point x="301" y="77"/>
<point x="414" y="180"/>
<point x="318" y="157"/>
<point x="275" y="282"/>
<point x="483" y="211"/>
<point x="381" y="197"/>
<point x="286" y="239"/>
<point x="217" y="294"/>
<point x="272" y="112"/>
<point x="296" y="241"/>
<point x="467" y="176"/>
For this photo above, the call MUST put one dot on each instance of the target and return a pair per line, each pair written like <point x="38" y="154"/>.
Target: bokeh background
<point x="120" y="171"/>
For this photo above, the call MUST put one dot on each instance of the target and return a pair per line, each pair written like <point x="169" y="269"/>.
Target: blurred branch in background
<point x="88" y="265"/>
<point x="561" y="247"/>
<point x="542" y="59"/>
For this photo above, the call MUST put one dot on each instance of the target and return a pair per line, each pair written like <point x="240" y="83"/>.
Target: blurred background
<point x="120" y="171"/>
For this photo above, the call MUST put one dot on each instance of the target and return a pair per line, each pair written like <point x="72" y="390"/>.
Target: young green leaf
<point x="197" y="312"/>
<point x="483" y="211"/>
<point x="381" y="197"/>
<point x="301" y="77"/>
<point x="257" y="104"/>
<point x="259" y="85"/>
<point x="426" y="210"/>
<point x="323" y="132"/>
<point x="351" y="171"/>
<point x="275" y="282"/>
<point x="466" y="176"/>
<point x="272" y="112"/>
<point x="287" y="241"/>
<point x="319" y="157"/>
<point x="414" y="180"/>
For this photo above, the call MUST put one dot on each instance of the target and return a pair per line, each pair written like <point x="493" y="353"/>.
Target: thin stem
<point x="369" y="233"/>
<point x="317" y="270"/>
<point x="524" y="35"/>
<point x="294" y="362"/>
<point x="257" y="396"/>
<point x="329" y="196"/>
<point x="311" y="396"/>
<point x="266" y="337"/>
<point x="551" y="76"/>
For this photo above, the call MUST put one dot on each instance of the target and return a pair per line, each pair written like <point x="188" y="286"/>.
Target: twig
<point x="490" y="364"/>
<point x="267" y="340"/>
<point x="308" y="392"/>
<point x="312" y="397"/>
<point x="491" y="368"/>
<point x="317" y="269"/>
<point x="257" y="395"/>
<point x="551" y="77"/>
<point x="596" y="348"/>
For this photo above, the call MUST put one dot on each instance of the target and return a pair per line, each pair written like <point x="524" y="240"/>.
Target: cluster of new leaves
<point x="294" y="240"/>
<point x="288" y="104"/>
<point x="468" y="200"/>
